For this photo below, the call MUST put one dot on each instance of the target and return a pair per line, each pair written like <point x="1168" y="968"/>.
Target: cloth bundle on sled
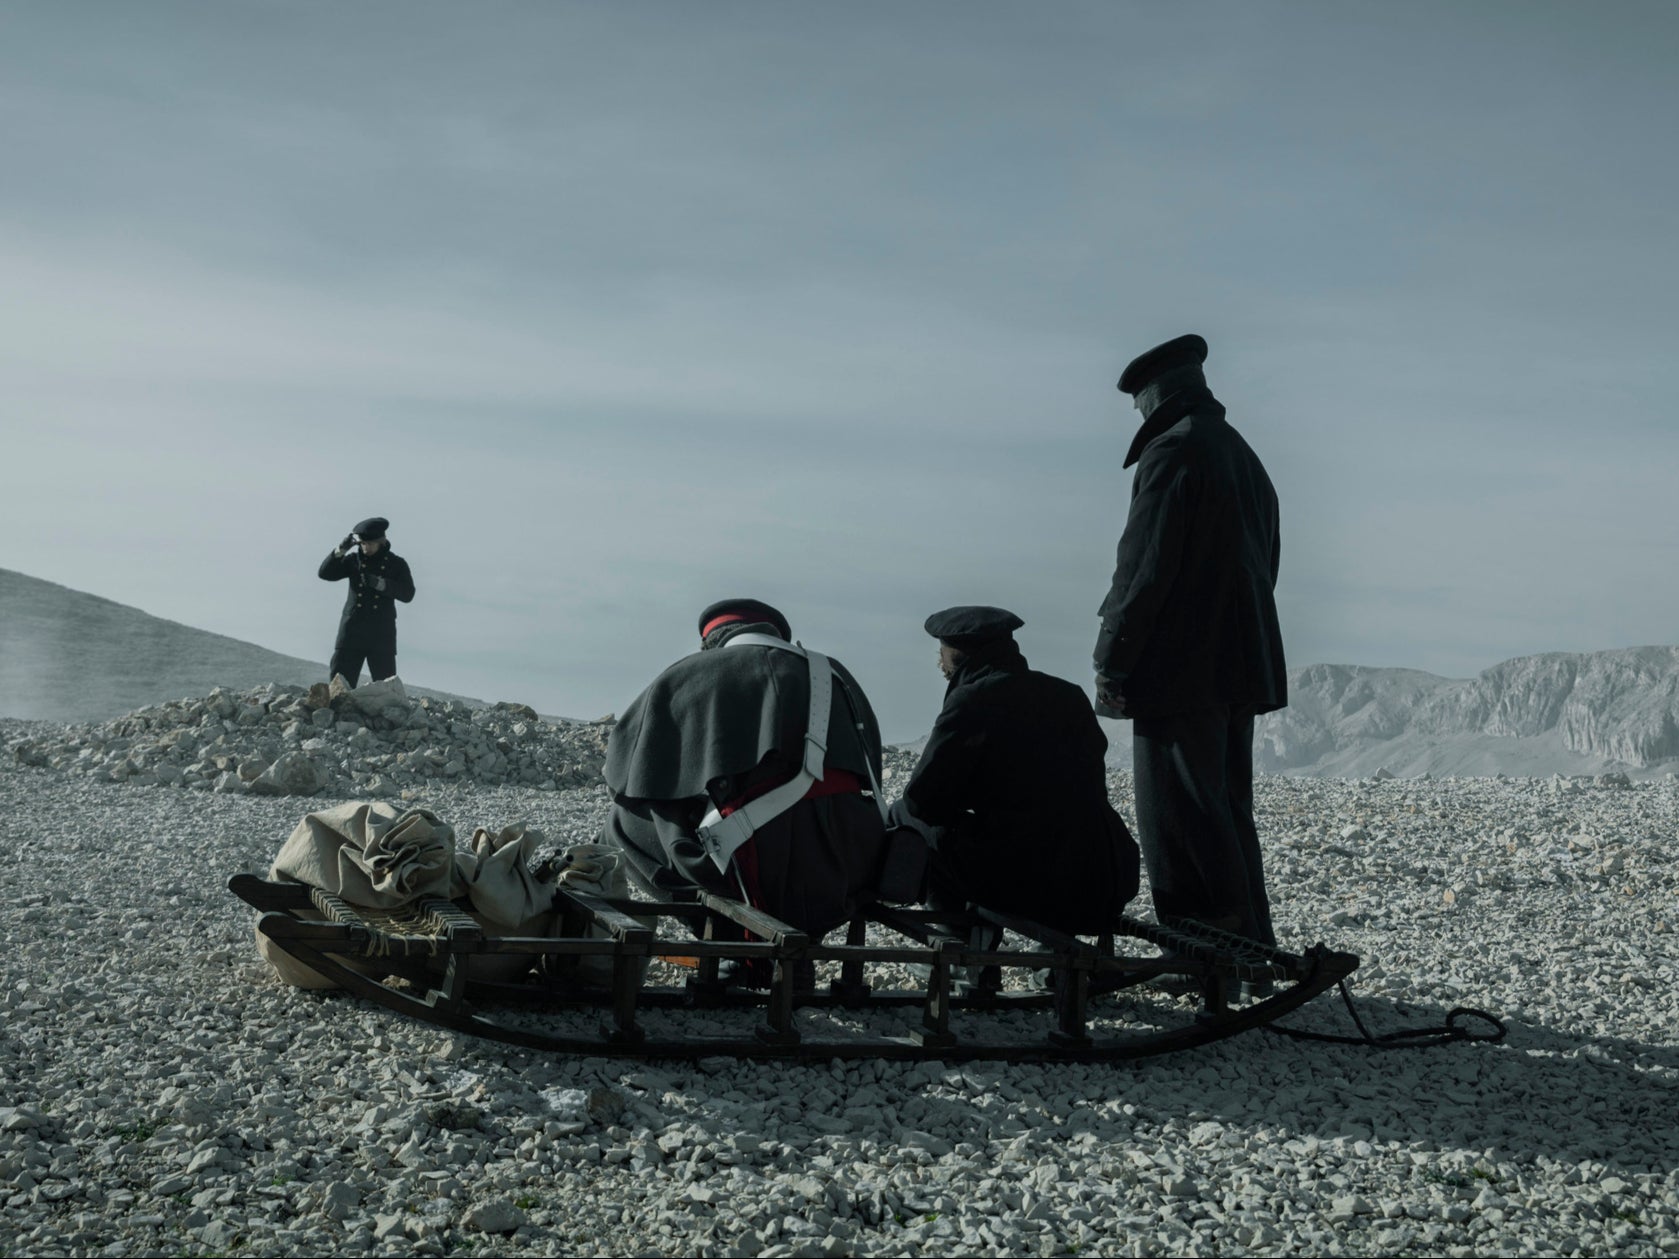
<point x="381" y="901"/>
<point x="400" y="868"/>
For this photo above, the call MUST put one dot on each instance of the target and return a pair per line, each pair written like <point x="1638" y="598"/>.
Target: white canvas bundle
<point x="372" y="854"/>
<point x="596" y="870"/>
<point x="497" y="872"/>
<point x="507" y="898"/>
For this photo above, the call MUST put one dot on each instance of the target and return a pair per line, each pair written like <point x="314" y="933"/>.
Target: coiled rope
<point x="1452" y="1031"/>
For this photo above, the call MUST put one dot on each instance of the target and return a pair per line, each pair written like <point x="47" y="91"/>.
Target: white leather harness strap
<point x="720" y="835"/>
<point x="765" y="640"/>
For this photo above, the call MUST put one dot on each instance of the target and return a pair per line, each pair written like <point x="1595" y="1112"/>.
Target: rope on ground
<point x="1452" y="1031"/>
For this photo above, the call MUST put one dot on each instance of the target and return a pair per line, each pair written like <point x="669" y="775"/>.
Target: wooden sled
<point x="425" y="951"/>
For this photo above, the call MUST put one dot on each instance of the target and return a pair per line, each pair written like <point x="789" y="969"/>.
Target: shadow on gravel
<point x="1541" y="1091"/>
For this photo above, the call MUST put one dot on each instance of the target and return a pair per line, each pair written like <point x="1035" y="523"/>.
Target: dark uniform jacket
<point x="719" y="724"/>
<point x="369" y="612"/>
<point x="1014" y="773"/>
<point x="1191" y="622"/>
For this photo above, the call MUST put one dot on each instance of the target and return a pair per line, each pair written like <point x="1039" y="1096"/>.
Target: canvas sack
<point x="507" y="896"/>
<point x="598" y="870"/>
<point x="372" y="854"/>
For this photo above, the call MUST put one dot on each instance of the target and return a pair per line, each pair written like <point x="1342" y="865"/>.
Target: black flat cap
<point x="1181" y="351"/>
<point x="371" y="528"/>
<point x="731" y="611"/>
<point x="972" y="625"/>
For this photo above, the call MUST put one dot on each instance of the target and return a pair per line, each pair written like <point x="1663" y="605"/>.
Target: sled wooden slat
<point x="944" y="1015"/>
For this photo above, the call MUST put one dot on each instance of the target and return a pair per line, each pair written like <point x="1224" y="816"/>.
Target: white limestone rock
<point x="293" y="774"/>
<point x="495" y="1216"/>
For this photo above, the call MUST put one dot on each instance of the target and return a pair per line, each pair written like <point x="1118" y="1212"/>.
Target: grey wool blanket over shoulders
<point x="718" y="714"/>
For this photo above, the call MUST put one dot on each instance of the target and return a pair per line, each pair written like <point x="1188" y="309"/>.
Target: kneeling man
<point x="742" y="770"/>
<point x="1011" y="789"/>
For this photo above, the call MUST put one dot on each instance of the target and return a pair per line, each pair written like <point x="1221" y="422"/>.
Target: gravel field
<point x="162" y="1094"/>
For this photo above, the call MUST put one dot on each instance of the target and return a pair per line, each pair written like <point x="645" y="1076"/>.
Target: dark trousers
<point x="1074" y="871"/>
<point x="377" y="650"/>
<point x="1194" y="786"/>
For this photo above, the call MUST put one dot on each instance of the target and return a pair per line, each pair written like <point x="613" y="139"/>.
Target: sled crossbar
<point x="977" y="977"/>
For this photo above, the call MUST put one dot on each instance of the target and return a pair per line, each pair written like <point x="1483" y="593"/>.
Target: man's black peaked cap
<point x="751" y="610"/>
<point x="371" y="528"/>
<point x="972" y="625"/>
<point x="1181" y="351"/>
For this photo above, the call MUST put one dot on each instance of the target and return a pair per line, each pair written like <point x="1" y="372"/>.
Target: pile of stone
<point x="281" y="740"/>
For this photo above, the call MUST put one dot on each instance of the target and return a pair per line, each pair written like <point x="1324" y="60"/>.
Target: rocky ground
<point x="375" y="742"/>
<point x="160" y="1094"/>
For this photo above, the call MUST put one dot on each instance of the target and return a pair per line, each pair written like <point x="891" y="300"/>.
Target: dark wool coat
<point x="1014" y="775"/>
<point x="721" y="722"/>
<point x="369" y="613"/>
<point x="712" y="718"/>
<point x="1190" y="622"/>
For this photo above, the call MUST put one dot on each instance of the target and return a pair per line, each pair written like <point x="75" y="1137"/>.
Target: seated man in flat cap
<point x="742" y="770"/>
<point x="379" y="580"/>
<point x="1011" y="788"/>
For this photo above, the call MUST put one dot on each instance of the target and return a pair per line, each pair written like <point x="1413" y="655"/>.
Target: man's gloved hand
<point x="1109" y="697"/>
<point x="378" y="583"/>
<point x="347" y="544"/>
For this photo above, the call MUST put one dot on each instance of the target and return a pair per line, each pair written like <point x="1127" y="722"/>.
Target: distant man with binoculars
<point x="379" y="580"/>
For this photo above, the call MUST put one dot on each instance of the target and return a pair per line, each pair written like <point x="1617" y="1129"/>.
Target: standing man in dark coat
<point x="1012" y="788"/>
<point x="1189" y="648"/>
<point x="379" y="580"/>
<point x="724" y="732"/>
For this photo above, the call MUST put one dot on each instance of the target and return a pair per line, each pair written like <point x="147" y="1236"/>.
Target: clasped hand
<point x="1108" y="695"/>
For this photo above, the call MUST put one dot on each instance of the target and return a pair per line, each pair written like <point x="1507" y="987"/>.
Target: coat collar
<point x="1168" y="413"/>
<point x="999" y="657"/>
<point x="720" y="637"/>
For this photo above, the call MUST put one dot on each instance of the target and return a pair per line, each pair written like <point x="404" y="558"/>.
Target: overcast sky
<point x="615" y="310"/>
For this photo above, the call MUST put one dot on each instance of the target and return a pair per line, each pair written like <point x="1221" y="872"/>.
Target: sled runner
<point x="988" y="986"/>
